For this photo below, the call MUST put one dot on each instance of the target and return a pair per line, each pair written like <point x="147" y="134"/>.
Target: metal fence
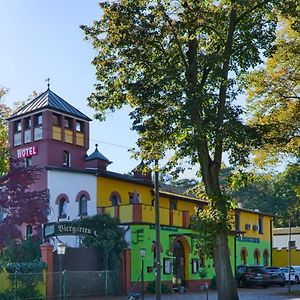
<point x="65" y="285"/>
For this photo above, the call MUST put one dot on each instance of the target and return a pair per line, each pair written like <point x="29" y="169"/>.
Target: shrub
<point x="164" y="288"/>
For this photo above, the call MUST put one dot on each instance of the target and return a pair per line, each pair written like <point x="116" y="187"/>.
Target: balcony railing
<point x="141" y="213"/>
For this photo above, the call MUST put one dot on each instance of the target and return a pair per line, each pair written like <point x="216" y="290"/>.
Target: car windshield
<point x="257" y="270"/>
<point x="274" y="270"/>
<point x="297" y="269"/>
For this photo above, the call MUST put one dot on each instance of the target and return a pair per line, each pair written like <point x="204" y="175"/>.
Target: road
<point x="271" y="293"/>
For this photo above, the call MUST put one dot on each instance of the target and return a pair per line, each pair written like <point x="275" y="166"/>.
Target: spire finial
<point x="48" y="84"/>
<point x="96" y="146"/>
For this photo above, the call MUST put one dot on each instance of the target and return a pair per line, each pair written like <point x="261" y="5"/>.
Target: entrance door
<point x="178" y="265"/>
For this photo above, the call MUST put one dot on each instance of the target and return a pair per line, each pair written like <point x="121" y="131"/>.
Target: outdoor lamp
<point x="61" y="248"/>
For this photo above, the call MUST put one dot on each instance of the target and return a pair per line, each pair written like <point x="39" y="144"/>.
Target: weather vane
<point x="48" y="84"/>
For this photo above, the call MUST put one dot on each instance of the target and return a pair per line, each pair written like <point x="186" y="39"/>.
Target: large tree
<point x="19" y="204"/>
<point x="274" y="98"/>
<point x="5" y="112"/>
<point x="176" y="64"/>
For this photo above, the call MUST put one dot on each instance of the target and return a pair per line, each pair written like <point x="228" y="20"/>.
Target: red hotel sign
<point x="27" y="152"/>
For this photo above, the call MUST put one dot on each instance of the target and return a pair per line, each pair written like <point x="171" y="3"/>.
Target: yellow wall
<point x="280" y="257"/>
<point x="69" y="136"/>
<point x="79" y="139"/>
<point x="106" y="186"/>
<point x="56" y="133"/>
<point x="248" y="217"/>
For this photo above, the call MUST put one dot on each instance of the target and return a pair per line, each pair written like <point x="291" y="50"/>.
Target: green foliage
<point x="26" y="251"/>
<point x="164" y="288"/>
<point x="110" y="240"/>
<point x="202" y="272"/>
<point x="277" y="194"/>
<point x="273" y="99"/>
<point x="4" y="113"/>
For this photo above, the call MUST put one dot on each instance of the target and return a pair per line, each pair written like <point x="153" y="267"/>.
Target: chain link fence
<point x="65" y="285"/>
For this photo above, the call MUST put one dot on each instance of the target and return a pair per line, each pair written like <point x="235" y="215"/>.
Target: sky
<point x="41" y="39"/>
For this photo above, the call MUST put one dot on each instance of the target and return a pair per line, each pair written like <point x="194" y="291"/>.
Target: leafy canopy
<point x="110" y="239"/>
<point x="274" y="99"/>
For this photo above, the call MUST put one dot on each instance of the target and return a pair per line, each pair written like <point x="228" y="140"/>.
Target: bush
<point x="164" y="288"/>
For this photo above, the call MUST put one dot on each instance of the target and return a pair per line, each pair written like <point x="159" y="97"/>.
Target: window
<point x="79" y="126"/>
<point x="27" y="123"/>
<point x="62" y="208"/>
<point x="67" y="123"/>
<point x="38" y="132"/>
<point x="173" y="205"/>
<point x="237" y="221"/>
<point x="29" y="231"/>
<point x="266" y="257"/>
<point x="28" y="162"/>
<point x="243" y="256"/>
<point x="56" y="120"/>
<point x="260" y="225"/>
<point x="38" y="120"/>
<point x="195" y="266"/>
<point x="256" y="256"/>
<point x="83" y="206"/>
<point x="66" y="159"/>
<point x="134" y="197"/>
<point x="18" y="126"/>
<point x="115" y="198"/>
<point x="17" y="133"/>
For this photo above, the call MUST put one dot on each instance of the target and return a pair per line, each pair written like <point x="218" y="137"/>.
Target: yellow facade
<point x="69" y="136"/>
<point x="79" y="139"/>
<point x="56" y="133"/>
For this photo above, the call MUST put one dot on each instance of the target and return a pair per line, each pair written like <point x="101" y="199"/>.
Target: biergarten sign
<point x="67" y="228"/>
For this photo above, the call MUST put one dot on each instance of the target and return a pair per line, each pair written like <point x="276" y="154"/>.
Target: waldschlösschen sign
<point x="67" y="228"/>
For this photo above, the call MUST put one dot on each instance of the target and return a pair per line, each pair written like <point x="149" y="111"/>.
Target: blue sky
<point x="41" y="39"/>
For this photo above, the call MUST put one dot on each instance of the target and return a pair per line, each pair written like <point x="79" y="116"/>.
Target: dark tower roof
<point x="97" y="155"/>
<point x="50" y="100"/>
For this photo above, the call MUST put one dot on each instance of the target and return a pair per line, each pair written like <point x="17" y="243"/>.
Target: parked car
<point x="252" y="276"/>
<point x="276" y="276"/>
<point x="286" y="275"/>
<point x="296" y="270"/>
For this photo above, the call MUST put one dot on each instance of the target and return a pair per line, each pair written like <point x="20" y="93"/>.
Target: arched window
<point x="83" y="206"/>
<point x="243" y="256"/>
<point x="62" y="208"/>
<point x="115" y="198"/>
<point x="66" y="159"/>
<point x="266" y="257"/>
<point x="256" y="256"/>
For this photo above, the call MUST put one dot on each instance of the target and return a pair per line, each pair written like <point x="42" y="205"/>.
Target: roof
<point x="50" y="100"/>
<point x="97" y="155"/>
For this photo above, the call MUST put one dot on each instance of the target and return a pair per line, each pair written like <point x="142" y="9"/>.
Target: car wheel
<point x="296" y="279"/>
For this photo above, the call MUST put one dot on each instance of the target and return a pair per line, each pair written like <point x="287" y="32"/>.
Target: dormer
<point x="96" y="160"/>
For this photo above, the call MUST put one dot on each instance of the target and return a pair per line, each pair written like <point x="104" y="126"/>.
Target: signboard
<point x="67" y="228"/>
<point x="292" y="244"/>
<point x="27" y="152"/>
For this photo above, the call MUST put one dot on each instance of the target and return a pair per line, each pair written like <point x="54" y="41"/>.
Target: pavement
<point x="270" y="293"/>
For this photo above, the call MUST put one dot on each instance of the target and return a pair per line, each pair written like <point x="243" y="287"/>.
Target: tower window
<point x="38" y="120"/>
<point x="67" y="123"/>
<point x="56" y="120"/>
<point x="237" y="221"/>
<point x="83" y="206"/>
<point x="18" y="126"/>
<point x="66" y="159"/>
<point x="79" y="126"/>
<point x="260" y="225"/>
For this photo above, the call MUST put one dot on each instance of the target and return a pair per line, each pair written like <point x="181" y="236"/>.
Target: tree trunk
<point x="226" y="285"/>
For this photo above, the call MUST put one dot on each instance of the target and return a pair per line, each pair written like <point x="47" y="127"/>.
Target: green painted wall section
<point x="143" y="236"/>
